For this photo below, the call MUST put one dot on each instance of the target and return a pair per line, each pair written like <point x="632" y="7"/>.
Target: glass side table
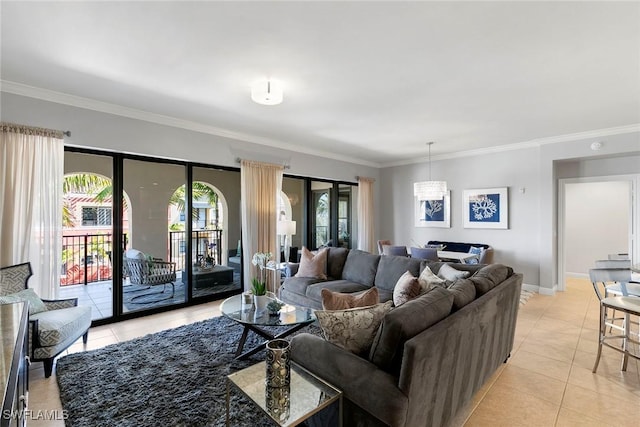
<point x="286" y="406"/>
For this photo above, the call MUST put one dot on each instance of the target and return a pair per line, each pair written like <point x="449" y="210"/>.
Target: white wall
<point x="596" y="223"/>
<point x="516" y="247"/>
<point x="530" y="243"/>
<point x="97" y="130"/>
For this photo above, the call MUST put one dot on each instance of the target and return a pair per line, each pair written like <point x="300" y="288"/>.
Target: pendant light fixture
<point x="430" y="190"/>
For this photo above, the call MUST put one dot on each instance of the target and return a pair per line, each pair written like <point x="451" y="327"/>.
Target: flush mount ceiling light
<point x="430" y="190"/>
<point x="267" y="92"/>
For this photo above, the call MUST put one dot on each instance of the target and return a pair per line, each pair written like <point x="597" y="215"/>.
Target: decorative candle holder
<point x="278" y="402"/>
<point x="278" y="363"/>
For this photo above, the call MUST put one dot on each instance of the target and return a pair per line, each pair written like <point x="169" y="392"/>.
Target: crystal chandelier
<point x="430" y="190"/>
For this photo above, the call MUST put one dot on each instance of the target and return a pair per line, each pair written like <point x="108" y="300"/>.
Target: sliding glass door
<point x="153" y="268"/>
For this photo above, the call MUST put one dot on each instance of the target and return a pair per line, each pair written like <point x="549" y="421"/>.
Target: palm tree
<point x="199" y="191"/>
<point x="94" y="185"/>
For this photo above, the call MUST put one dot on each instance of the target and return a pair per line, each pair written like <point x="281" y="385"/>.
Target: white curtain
<point x="365" y="215"/>
<point x="260" y="184"/>
<point x="31" y="173"/>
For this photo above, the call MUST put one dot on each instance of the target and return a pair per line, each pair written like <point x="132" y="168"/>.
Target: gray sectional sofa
<point x="430" y="355"/>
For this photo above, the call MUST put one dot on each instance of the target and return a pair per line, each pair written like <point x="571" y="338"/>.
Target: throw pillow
<point x="477" y="251"/>
<point x="407" y="288"/>
<point x="313" y="265"/>
<point x="427" y="280"/>
<point x="36" y="305"/>
<point x="447" y="272"/>
<point x="339" y="301"/>
<point x="353" y="329"/>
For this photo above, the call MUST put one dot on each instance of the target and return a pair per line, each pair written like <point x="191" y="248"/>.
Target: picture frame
<point x="433" y="212"/>
<point x="486" y="208"/>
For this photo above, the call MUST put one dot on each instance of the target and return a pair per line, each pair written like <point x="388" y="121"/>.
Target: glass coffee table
<point x="292" y="317"/>
<point x="286" y="406"/>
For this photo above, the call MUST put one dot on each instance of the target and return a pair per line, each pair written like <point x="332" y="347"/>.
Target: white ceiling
<point x="367" y="81"/>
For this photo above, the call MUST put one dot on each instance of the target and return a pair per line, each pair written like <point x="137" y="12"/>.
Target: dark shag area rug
<point x="175" y="377"/>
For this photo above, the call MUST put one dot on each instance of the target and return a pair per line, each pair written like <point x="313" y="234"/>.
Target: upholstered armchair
<point x="53" y="324"/>
<point x="143" y="271"/>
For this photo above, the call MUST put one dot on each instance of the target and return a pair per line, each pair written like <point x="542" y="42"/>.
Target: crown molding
<point x="598" y="133"/>
<point x="132" y="113"/>
<point x="118" y="110"/>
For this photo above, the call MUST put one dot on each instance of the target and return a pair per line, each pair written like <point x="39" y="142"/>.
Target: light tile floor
<point x="546" y="382"/>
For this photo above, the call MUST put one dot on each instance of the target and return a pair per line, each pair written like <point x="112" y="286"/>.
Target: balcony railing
<point x="203" y="242"/>
<point x="87" y="258"/>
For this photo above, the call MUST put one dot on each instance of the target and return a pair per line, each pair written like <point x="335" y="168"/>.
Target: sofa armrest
<point x="355" y="376"/>
<point x="57" y="304"/>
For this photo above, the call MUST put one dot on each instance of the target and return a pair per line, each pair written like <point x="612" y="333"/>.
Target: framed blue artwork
<point x="433" y="212"/>
<point x="486" y="208"/>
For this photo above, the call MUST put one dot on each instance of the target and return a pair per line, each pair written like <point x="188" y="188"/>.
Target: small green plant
<point x="258" y="287"/>
<point x="274" y="306"/>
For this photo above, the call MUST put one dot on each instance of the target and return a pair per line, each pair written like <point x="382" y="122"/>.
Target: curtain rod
<point x="66" y="132"/>
<point x="285" y="166"/>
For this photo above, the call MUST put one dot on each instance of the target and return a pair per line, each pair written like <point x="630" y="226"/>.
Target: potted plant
<point x="259" y="282"/>
<point x="274" y="307"/>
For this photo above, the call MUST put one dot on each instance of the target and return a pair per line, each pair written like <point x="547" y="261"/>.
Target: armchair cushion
<point x="36" y="305"/>
<point x="56" y="326"/>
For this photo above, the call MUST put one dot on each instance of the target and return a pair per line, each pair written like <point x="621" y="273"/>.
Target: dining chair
<point x="394" y="250"/>
<point x="381" y="243"/>
<point x="627" y="305"/>
<point x="430" y="254"/>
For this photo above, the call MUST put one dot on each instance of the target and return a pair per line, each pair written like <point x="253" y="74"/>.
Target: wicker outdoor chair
<point x="143" y="271"/>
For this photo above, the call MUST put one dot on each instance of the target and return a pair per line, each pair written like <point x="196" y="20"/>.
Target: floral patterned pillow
<point x="353" y="329"/>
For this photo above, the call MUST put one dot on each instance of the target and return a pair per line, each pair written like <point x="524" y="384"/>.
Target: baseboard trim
<point x="539" y="289"/>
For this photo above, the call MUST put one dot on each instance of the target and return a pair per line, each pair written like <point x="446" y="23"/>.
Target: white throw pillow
<point x="447" y="272"/>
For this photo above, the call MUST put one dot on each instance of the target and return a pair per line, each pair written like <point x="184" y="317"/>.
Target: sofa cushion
<point x="407" y="288"/>
<point x="405" y="322"/>
<point x="361" y="267"/>
<point x="463" y="291"/>
<point x="448" y="272"/>
<point x="299" y="285"/>
<point x="314" y="291"/>
<point x="390" y="268"/>
<point x="336" y="258"/>
<point x="313" y="265"/>
<point x="342" y="301"/>
<point x="36" y="305"/>
<point x="489" y="276"/>
<point x="353" y="329"/>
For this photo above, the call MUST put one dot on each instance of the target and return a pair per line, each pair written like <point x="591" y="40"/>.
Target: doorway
<point x="596" y="218"/>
